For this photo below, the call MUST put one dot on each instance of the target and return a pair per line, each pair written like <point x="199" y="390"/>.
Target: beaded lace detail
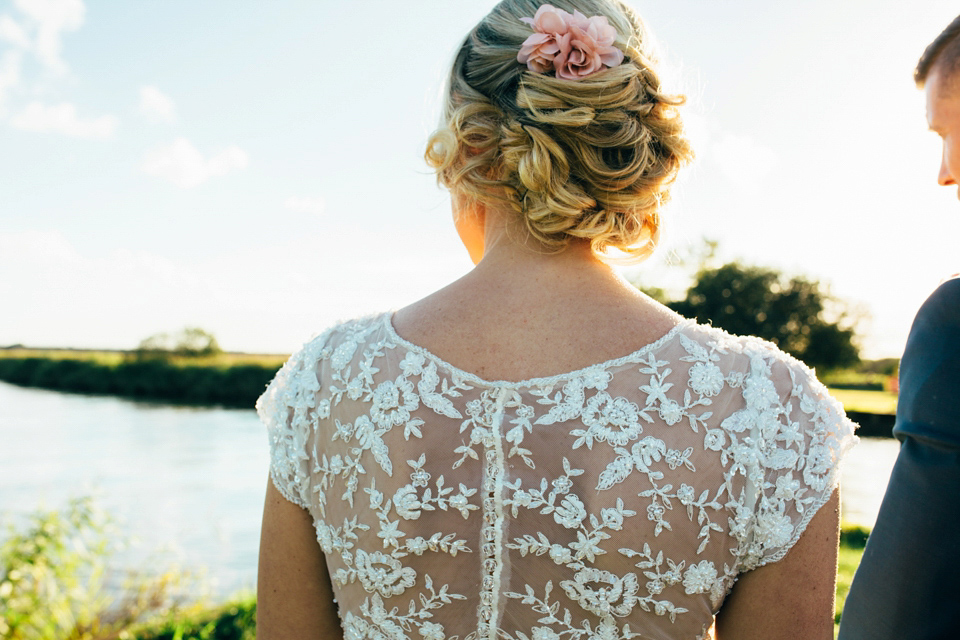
<point x="617" y="501"/>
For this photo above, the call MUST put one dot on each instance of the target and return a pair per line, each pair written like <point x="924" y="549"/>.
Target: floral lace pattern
<point x="617" y="501"/>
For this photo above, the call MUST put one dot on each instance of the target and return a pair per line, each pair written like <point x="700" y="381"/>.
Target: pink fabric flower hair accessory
<point x="572" y="45"/>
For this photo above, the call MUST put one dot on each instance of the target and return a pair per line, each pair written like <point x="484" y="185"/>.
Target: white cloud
<point x="156" y="105"/>
<point x="13" y="32"/>
<point x="312" y="206"/>
<point x="183" y="165"/>
<point x="52" y="18"/>
<point x="63" y="119"/>
<point x="742" y="160"/>
<point x="44" y="246"/>
<point x="9" y="72"/>
<point x="112" y="298"/>
<point x="697" y="129"/>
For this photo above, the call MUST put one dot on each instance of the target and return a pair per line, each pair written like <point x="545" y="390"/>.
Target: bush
<point x="20" y="371"/>
<point x="236" y="621"/>
<point x="854" y="537"/>
<point x="54" y="580"/>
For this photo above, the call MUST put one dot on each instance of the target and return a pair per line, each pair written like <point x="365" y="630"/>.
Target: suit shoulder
<point x="937" y="324"/>
<point x="943" y="305"/>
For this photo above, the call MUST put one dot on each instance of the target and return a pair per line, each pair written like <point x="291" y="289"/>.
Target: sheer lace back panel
<point x="618" y="501"/>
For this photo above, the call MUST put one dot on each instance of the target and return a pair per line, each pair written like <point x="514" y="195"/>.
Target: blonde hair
<point x="592" y="158"/>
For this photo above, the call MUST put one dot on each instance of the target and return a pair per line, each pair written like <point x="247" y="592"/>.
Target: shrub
<point x="236" y="621"/>
<point x="854" y="537"/>
<point x="54" y="580"/>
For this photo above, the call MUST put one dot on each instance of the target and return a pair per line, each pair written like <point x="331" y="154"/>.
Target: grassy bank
<point x="229" y="381"/>
<point x="866" y="401"/>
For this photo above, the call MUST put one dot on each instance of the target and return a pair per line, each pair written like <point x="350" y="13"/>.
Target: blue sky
<point x="256" y="168"/>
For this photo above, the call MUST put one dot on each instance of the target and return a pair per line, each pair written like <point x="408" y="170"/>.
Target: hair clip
<point x="571" y="45"/>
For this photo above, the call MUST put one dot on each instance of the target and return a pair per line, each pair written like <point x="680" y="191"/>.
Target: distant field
<point x="883" y="402"/>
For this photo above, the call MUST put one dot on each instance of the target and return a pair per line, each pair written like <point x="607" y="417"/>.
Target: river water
<point x="186" y="485"/>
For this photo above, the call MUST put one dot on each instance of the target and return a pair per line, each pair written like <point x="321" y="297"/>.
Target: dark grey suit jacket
<point x="908" y="582"/>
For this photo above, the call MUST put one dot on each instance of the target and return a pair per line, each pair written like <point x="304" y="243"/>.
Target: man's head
<point x="938" y="73"/>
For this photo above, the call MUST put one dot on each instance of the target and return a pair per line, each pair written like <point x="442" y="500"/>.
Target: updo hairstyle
<point x="590" y="158"/>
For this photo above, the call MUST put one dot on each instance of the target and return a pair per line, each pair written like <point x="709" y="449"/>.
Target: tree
<point x="194" y="342"/>
<point x="762" y="302"/>
<point x="191" y="342"/>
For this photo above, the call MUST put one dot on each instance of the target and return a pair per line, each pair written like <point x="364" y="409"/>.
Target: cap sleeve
<point x="800" y="434"/>
<point x="287" y="409"/>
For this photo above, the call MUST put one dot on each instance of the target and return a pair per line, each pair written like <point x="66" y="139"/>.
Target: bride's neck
<point x="511" y="255"/>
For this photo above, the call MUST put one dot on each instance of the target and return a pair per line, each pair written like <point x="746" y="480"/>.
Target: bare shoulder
<point x="294" y="593"/>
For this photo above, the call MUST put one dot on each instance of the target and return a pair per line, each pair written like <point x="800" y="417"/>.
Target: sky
<point x="255" y="169"/>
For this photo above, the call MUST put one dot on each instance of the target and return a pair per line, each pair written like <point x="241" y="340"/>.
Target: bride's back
<point x="539" y="451"/>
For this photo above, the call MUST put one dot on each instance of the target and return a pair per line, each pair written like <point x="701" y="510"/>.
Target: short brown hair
<point x="944" y="50"/>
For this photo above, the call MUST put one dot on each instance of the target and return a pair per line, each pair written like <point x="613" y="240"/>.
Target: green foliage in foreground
<point x="49" y="573"/>
<point x="234" y="621"/>
<point x="55" y="583"/>
<point x="230" y="386"/>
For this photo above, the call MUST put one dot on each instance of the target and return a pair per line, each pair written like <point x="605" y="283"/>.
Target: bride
<point x="538" y="450"/>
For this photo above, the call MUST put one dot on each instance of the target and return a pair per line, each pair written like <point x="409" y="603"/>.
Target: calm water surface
<point x="188" y="483"/>
<point x="185" y="484"/>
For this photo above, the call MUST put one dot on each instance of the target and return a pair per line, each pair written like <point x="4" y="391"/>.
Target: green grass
<point x="858" y="380"/>
<point x="848" y="563"/>
<point x="233" y="621"/>
<point x="883" y="402"/>
<point x="852" y="542"/>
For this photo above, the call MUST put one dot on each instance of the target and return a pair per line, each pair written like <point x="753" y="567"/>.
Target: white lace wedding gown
<point x="617" y="501"/>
